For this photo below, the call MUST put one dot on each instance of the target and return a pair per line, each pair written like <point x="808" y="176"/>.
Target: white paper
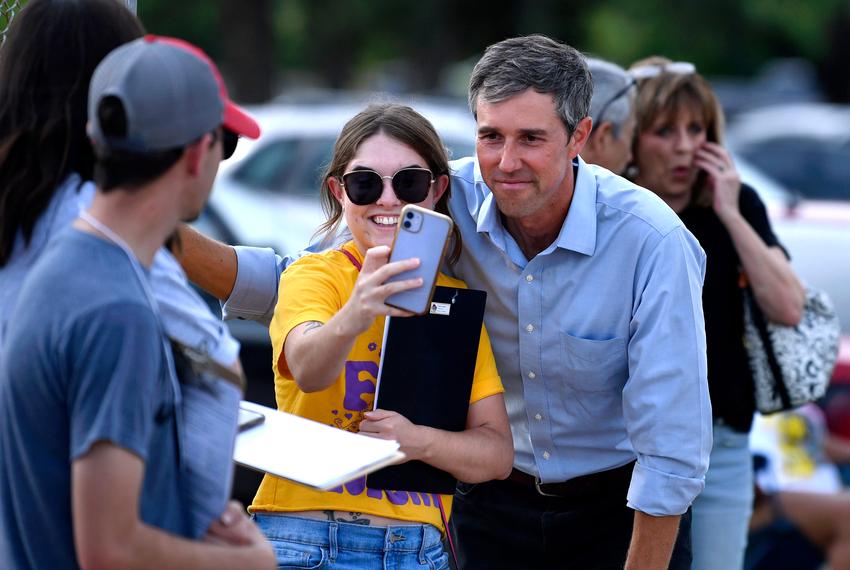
<point x="308" y="452"/>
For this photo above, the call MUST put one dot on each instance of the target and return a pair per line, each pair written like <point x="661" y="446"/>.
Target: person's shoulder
<point x="61" y="310"/>
<point x="749" y="198"/>
<point x="623" y="200"/>
<point x="81" y="270"/>
<point x="114" y="315"/>
<point x="70" y="255"/>
<point x="69" y="197"/>
<point x="468" y="189"/>
<point x="464" y="169"/>
<point x="342" y="259"/>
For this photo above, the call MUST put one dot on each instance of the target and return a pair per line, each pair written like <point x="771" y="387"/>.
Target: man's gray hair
<point x="512" y="66"/>
<point x="613" y="94"/>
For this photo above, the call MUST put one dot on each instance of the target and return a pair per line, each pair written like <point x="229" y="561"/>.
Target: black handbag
<point x="791" y="365"/>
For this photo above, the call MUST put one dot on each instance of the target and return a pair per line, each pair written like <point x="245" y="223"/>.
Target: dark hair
<point x="51" y="51"/>
<point x="404" y="125"/>
<point x="129" y="170"/>
<point x="537" y="62"/>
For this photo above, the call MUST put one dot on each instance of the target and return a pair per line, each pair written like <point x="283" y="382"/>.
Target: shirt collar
<point x="579" y="230"/>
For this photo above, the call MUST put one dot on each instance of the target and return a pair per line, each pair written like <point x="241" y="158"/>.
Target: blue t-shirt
<point x="82" y="362"/>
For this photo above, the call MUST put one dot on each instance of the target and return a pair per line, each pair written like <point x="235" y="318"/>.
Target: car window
<point x="460" y="149"/>
<point x="836" y="173"/>
<point x="295" y="166"/>
<point x="816" y="169"/>
<point x="291" y="166"/>
<point x="268" y="167"/>
<point x="315" y="156"/>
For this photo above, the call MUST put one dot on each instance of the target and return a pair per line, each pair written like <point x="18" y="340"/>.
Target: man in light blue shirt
<point x="594" y="311"/>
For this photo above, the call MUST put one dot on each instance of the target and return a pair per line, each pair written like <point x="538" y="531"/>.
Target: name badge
<point x="441" y="308"/>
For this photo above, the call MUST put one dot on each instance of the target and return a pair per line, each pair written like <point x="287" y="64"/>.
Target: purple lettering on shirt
<point x="355" y="387"/>
<point x="397" y="497"/>
<point x="355" y="486"/>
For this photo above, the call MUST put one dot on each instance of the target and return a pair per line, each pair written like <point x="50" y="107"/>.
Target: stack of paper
<point x="310" y="453"/>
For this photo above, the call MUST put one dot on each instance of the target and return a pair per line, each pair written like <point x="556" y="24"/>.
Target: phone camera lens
<point x="409" y="215"/>
<point x="407" y="224"/>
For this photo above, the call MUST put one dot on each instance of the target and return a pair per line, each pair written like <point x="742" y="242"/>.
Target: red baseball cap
<point x="235" y="118"/>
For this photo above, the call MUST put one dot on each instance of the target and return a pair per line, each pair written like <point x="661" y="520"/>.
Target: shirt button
<point x="538" y="417"/>
<point x="529" y="278"/>
<point x="529" y="328"/>
<point x="532" y="375"/>
<point x="546" y="455"/>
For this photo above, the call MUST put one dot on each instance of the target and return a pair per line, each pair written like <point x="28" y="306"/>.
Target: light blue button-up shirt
<point x="599" y="339"/>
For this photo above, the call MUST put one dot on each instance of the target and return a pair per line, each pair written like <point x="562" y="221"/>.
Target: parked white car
<point x="804" y="146"/>
<point x="268" y="193"/>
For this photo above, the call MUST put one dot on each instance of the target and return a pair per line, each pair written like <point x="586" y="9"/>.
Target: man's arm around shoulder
<point x="106" y="484"/>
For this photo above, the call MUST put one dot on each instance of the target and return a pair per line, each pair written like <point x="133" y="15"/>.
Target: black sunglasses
<point x="229" y="139"/>
<point x="410" y="185"/>
<point x="228" y="143"/>
<point x="631" y="83"/>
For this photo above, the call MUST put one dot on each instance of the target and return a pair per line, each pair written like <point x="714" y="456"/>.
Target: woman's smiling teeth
<point x="385" y="220"/>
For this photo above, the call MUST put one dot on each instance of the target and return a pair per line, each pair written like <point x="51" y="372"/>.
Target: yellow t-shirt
<point x="315" y="288"/>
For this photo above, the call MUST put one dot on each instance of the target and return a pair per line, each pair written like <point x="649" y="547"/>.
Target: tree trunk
<point x="248" y="44"/>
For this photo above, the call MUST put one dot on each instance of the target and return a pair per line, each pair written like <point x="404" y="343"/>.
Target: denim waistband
<point x="403" y="538"/>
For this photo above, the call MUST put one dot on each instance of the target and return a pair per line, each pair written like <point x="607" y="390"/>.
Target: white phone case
<point x="424" y="234"/>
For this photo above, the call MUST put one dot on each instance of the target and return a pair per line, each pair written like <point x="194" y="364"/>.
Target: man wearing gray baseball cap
<point x="87" y="386"/>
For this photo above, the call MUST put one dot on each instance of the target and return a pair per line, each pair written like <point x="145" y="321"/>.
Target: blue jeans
<point x="308" y="543"/>
<point x="721" y="513"/>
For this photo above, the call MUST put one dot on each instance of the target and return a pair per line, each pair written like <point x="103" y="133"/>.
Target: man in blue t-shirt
<point x="89" y="407"/>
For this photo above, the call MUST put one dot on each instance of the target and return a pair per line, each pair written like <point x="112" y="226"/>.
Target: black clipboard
<point x="426" y="371"/>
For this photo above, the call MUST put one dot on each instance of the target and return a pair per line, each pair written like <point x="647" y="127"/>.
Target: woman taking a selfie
<point x="327" y="337"/>
<point x="679" y="156"/>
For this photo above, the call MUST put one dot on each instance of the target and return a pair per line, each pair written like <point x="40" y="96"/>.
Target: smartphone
<point x="249" y="419"/>
<point x="424" y="234"/>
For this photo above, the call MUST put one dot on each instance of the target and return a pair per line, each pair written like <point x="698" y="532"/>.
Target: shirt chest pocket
<point x="594" y="365"/>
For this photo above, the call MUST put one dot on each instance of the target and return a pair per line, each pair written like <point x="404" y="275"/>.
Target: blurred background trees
<point x="428" y="46"/>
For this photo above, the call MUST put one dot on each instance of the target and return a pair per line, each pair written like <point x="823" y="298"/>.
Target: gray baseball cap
<point x="171" y="92"/>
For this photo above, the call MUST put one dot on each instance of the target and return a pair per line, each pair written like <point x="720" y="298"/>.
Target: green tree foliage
<point x="721" y="37"/>
<point x="338" y="42"/>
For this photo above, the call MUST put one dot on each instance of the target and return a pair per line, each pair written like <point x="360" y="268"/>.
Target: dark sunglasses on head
<point x="410" y="185"/>
<point x="598" y="119"/>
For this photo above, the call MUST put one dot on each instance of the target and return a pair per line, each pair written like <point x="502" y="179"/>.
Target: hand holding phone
<point x="424" y="234"/>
